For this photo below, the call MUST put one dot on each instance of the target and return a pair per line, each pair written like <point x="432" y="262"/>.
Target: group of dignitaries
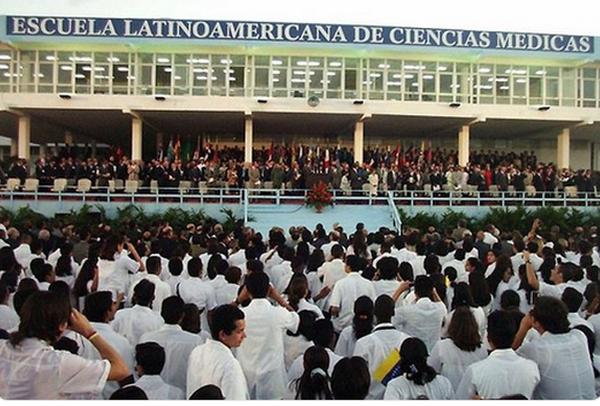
<point x="205" y="314"/>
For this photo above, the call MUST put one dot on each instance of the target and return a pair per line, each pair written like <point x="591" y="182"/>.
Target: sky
<point x="561" y="17"/>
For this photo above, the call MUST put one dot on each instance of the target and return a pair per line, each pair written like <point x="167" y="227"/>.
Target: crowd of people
<point x="200" y="313"/>
<point x="301" y="167"/>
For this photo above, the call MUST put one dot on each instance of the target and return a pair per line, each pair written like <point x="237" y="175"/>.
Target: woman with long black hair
<point x="362" y="324"/>
<point x="315" y="382"/>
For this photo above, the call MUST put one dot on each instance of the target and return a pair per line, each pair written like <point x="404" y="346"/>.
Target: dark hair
<point x="510" y="300"/>
<point x="464" y="330"/>
<point x="257" y="284"/>
<point x="306" y="326"/>
<point x="172" y="309"/>
<point x="479" y="288"/>
<point x="297" y="289"/>
<point x="207" y="392"/>
<point x="10" y="279"/>
<point x="66" y="344"/>
<point x="355" y="263"/>
<point x="384" y="309"/>
<point x="86" y="274"/>
<point x="503" y="264"/>
<point x="27" y="284"/>
<point x="388" y="268"/>
<point x="194" y="267"/>
<point x="350" y="379"/>
<point x="359" y="245"/>
<point x="153" y="265"/>
<point x="41" y="316"/>
<point x="4" y="292"/>
<point x="151" y="357"/>
<point x="314" y="382"/>
<point x="413" y="361"/>
<point x="175" y="266"/>
<point x="254" y="265"/>
<point x="224" y="319"/>
<point x="462" y="296"/>
<point x="362" y="322"/>
<point x="451" y="273"/>
<point x="233" y="274"/>
<point x="424" y="286"/>
<point x="143" y="293"/>
<point x="8" y="262"/>
<point x="524" y="285"/>
<point x="191" y="318"/>
<point x="96" y="305"/>
<point x="432" y="264"/>
<point x="572" y="298"/>
<point x="323" y="332"/>
<point x="405" y="271"/>
<point x="63" y="266"/>
<point x="129" y="392"/>
<point x="21" y="297"/>
<point x="60" y="288"/>
<point x="551" y="313"/>
<point x="501" y="329"/>
<point x="546" y="268"/>
<point x="216" y="266"/>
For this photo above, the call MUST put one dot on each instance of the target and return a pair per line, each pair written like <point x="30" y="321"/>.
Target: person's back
<point x="503" y="372"/>
<point x="150" y="359"/>
<point x="177" y="343"/>
<point x="261" y="354"/>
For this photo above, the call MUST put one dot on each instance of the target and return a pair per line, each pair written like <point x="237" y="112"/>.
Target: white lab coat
<point x="157" y="389"/>
<point x="403" y="389"/>
<point x="34" y="370"/>
<point x="134" y="322"/>
<point x="565" y="365"/>
<point x="178" y="345"/>
<point x="375" y="348"/>
<point x="344" y="294"/>
<point x="502" y="373"/>
<point x="422" y="319"/>
<point x="449" y="360"/>
<point x="223" y="371"/>
<point x="162" y="290"/>
<point x="346" y="342"/>
<point x="261" y="354"/>
<point x="9" y="319"/>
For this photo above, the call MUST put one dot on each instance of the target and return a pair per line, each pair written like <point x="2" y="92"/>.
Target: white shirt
<point x="34" y="370"/>
<point x="272" y="260"/>
<point x="261" y="353"/>
<point x="201" y="293"/>
<point x="157" y="389"/>
<point x="119" y="343"/>
<point x="576" y="320"/>
<point x="296" y="371"/>
<point x="238" y="258"/>
<point x="594" y="320"/>
<point x="344" y="294"/>
<point x="403" y="389"/>
<point x="332" y="272"/>
<point x="164" y="265"/>
<point x="458" y="265"/>
<point x="114" y="275"/>
<point x="422" y="319"/>
<point x="565" y="365"/>
<point x="404" y="255"/>
<point x="304" y="304"/>
<point x="386" y="287"/>
<point x="346" y="342"/>
<point x="280" y="275"/>
<point x="502" y="373"/>
<point x="225" y="371"/>
<point x="326" y="248"/>
<point x="450" y="361"/>
<point x="418" y="265"/>
<point x="162" y="290"/>
<point x="132" y="323"/>
<point x="384" y="255"/>
<point x="9" y="319"/>
<point x="375" y="348"/>
<point x="294" y="347"/>
<point x="22" y="254"/>
<point x="178" y="345"/>
<point x="227" y="293"/>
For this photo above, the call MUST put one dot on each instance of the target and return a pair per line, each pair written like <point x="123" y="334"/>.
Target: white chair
<point x="571" y="191"/>
<point x="84" y="185"/>
<point x="31" y="185"/>
<point x="202" y="187"/>
<point x="154" y="186"/>
<point x="111" y="186"/>
<point x="530" y="190"/>
<point x="119" y="184"/>
<point x="131" y="186"/>
<point x="185" y="186"/>
<point x="60" y="184"/>
<point x="13" y="184"/>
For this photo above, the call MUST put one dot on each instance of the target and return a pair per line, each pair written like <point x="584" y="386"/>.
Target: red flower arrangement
<point x="319" y="197"/>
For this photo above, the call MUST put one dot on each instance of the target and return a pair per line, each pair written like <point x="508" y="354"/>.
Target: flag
<point x="389" y="368"/>
<point x="170" y="151"/>
<point x="270" y="152"/>
<point x="300" y="150"/>
<point x="160" y="152"/>
<point x="177" y="148"/>
<point x="326" y="164"/>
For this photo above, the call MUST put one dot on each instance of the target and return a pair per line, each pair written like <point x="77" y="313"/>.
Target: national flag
<point x="388" y="369"/>
<point x="270" y="152"/>
<point x="170" y="151"/>
<point x="177" y="148"/>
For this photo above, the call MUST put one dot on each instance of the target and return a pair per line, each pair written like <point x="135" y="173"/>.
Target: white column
<point x="14" y="146"/>
<point x="248" y="136"/>
<point x="136" y="138"/>
<point x="463" y="145"/>
<point x="24" y="140"/>
<point x="359" y="141"/>
<point x="563" y="148"/>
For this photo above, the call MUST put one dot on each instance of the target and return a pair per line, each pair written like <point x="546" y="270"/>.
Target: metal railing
<point x="297" y="196"/>
<point x="396" y="220"/>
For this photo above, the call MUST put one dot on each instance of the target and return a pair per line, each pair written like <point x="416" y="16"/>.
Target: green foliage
<point x="450" y="219"/>
<point x="508" y="220"/>
<point x="25" y="217"/>
<point x="84" y="217"/>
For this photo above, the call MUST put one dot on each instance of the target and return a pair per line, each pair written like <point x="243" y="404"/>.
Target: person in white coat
<point x="162" y="290"/>
<point x="197" y="291"/>
<point x="177" y="343"/>
<point x="261" y="355"/>
<point x="150" y="360"/>
<point x="417" y="379"/>
<point x="9" y="319"/>
<point x="381" y="346"/>
<point x="228" y="332"/>
<point x="100" y="309"/>
<point x="133" y="322"/>
<point x="503" y="372"/>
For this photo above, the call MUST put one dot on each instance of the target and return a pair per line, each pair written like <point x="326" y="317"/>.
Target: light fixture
<point x="358" y="101"/>
<point x="65" y="96"/>
<point x="160" y="97"/>
<point x="454" y="104"/>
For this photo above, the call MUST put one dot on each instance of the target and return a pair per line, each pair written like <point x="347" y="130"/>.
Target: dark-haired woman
<point x="314" y="383"/>
<point x="362" y="324"/>
<point x="451" y="357"/>
<point x="462" y="297"/>
<point x="418" y="380"/>
<point x="295" y="344"/>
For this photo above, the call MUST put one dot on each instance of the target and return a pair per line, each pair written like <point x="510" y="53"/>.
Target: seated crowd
<point x="201" y="313"/>
<point x="302" y="167"/>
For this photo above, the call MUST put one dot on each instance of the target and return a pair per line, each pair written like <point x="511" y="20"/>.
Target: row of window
<point x="294" y="76"/>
